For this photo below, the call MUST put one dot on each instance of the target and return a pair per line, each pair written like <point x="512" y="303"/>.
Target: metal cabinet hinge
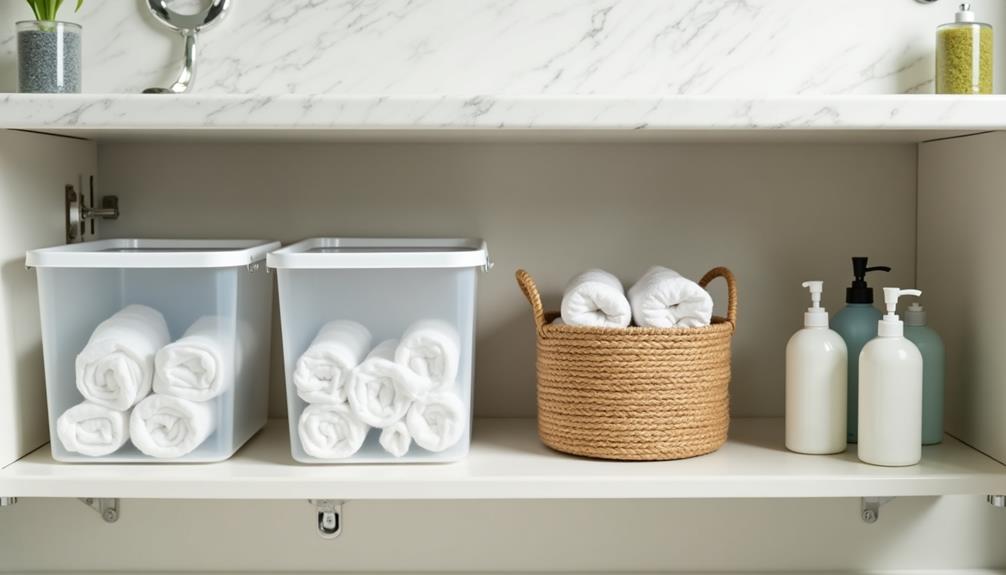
<point x="996" y="500"/>
<point x="7" y="501"/>
<point x="869" y="508"/>
<point x="81" y="210"/>
<point x="107" y="508"/>
<point x="329" y="517"/>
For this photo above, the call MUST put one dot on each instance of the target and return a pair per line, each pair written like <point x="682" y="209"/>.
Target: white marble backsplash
<point x="521" y="47"/>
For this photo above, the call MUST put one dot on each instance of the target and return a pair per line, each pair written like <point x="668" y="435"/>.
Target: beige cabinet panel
<point x="34" y="172"/>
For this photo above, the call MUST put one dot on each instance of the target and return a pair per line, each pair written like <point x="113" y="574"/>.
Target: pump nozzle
<point x="815" y="292"/>
<point x="891" y="296"/>
<point x="859" y="292"/>
<point x="816" y="315"/>
<point x="890" y="325"/>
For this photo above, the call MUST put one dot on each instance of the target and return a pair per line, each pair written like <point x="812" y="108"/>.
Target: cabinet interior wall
<point x="776" y="214"/>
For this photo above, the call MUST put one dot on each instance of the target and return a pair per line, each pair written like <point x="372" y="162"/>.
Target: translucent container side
<point x="73" y="301"/>
<point x="386" y="301"/>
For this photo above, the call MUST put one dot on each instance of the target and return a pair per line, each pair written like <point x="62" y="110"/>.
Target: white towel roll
<point x="91" y="429"/>
<point x="395" y="439"/>
<point x="164" y="426"/>
<point x="431" y="348"/>
<point x="380" y="391"/>
<point x="662" y="298"/>
<point x="330" y="431"/>
<point x="322" y="372"/>
<point x="116" y="367"/>
<point x="200" y="365"/>
<point x="438" y="422"/>
<point x="595" y="298"/>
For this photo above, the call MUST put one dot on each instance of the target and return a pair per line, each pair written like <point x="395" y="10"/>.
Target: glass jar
<point x="48" y="57"/>
<point x="964" y="55"/>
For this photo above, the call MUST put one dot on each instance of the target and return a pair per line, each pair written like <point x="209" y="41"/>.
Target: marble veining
<point x="428" y="112"/>
<point x="522" y="47"/>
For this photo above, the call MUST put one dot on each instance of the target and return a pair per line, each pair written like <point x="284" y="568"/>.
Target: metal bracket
<point x="80" y="210"/>
<point x="329" y="519"/>
<point x="107" y="508"/>
<point x="870" y="508"/>
<point x="998" y="501"/>
<point x="7" y="501"/>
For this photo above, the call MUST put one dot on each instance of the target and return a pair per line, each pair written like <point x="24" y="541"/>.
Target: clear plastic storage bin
<point x="204" y="392"/>
<point x="378" y="341"/>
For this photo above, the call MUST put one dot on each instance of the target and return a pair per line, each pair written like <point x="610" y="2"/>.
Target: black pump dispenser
<point x="859" y="292"/>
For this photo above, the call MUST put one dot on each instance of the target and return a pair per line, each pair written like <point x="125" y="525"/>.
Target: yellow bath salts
<point x="964" y="56"/>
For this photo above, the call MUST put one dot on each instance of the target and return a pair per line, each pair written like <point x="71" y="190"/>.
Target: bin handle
<point x="530" y="290"/>
<point x="722" y="272"/>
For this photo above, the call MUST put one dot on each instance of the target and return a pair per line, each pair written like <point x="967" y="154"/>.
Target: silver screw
<point x="869" y="516"/>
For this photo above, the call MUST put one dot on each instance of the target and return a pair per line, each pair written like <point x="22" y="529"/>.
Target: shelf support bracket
<point x="107" y="508"/>
<point x="998" y="501"/>
<point x="869" y="508"/>
<point x="329" y="517"/>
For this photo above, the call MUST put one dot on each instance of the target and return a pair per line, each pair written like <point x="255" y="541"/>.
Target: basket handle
<point x="530" y="290"/>
<point x="722" y="272"/>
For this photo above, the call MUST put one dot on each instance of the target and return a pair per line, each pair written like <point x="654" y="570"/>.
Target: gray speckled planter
<point x="48" y="57"/>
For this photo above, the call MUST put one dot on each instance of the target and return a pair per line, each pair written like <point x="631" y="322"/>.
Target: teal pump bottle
<point x="857" y="324"/>
<point x="933" y="372"/>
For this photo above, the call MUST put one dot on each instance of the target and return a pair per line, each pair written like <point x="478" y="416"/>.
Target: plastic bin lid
<point x="135" y="253"/>
<point x="371" y="253"/>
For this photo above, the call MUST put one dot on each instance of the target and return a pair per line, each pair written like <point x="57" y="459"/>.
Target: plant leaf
<point x="34" y="10"/>
<point x="79" y="4"/>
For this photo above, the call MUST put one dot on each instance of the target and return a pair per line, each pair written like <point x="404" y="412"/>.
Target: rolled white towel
<point x="431" y="348"/>
<point x="116" y="367"/>
<point x="200" y="365"/>
<point x="165" y="426"/>
<point x="322" y="372"/>
<point x="395" y="439"/>
<point x="380" y="391"/>
<point x="662" y="298"/>
<point x="330" y="431"/>
<point x="91" y="429"/>
<point x="595" y="298"/>
<point x="438" y="422"/>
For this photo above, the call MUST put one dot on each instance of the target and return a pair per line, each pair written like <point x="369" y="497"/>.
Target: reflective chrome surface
<point x="189" y="26"/>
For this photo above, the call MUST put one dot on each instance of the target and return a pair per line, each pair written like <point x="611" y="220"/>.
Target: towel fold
<point x="200" y="365"/>
<point x="330" y="431"/>
<point x="116" y="367"/>
<point x="91" y="429"/>
<point x="595" y="298"/>
<point x="438" y="422"/>
<point x="380" y="391"/>
<point x="662" y="298"/>
<point x="395" y="439"/>
<point x="322" y="372"/>
<point x="431" y="348"/>
<point x="165" y="426"/>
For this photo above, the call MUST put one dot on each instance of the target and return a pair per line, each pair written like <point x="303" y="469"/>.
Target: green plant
<point x="45" y="10"/>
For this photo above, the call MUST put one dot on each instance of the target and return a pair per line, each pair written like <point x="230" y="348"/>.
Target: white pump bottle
<point x="890" y="392"/>
<point x="816" y="383"/>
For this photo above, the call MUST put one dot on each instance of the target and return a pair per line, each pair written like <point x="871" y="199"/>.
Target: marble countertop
<point x="298" y="113"/>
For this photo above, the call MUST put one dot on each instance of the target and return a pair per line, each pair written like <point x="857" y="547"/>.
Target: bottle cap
<point x="964" y="14"/>
<point x="890" y="325"/>
<point x="859" y="292"/>
<point x="816" y="315"/>
<point x="915" y="315"/>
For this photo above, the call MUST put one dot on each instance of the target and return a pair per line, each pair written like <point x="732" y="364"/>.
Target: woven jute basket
<point x="635" y="393"/>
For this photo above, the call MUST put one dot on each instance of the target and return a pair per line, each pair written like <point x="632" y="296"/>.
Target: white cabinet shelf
<point x="508" y="462"/>
<point x="651" y="117"/>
